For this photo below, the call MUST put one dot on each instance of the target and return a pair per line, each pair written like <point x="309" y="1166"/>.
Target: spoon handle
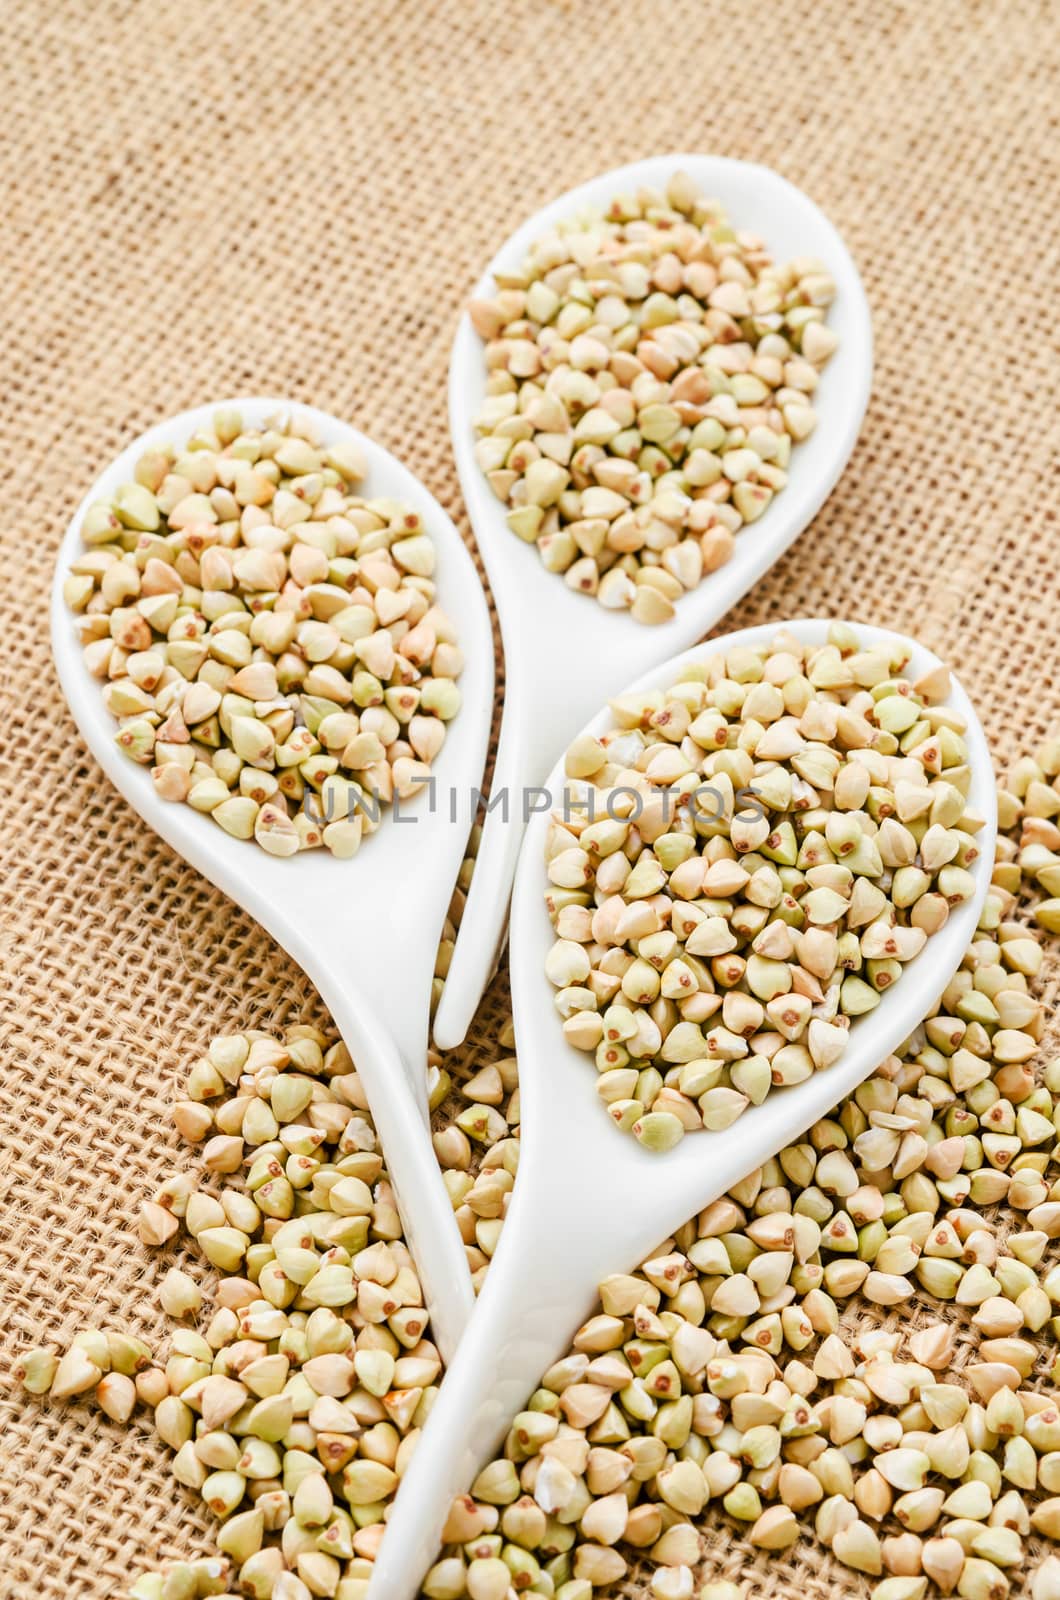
<point x="480" y="937"/>
<point x="422" y="1199"/>
<point x="517" y="1330"/>
<point x="556" y="675"/>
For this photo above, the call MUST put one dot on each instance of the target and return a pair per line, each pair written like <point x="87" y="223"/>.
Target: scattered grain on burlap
<point x="218" y="196"/>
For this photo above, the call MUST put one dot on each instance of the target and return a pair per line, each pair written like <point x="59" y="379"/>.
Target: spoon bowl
<point x="364" y="931"/>
<point x="564" y="655"/>
<point x="588" y="1201"/>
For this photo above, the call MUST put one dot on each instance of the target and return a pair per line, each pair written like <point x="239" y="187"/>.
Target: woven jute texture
<point x="219" y="196"/>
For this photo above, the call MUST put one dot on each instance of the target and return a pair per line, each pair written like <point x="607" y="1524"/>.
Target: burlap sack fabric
<point x="211" y="197"/>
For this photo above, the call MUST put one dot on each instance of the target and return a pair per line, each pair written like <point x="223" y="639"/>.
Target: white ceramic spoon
<point x="366" y="930"/>
<point x="564" y="655"/>
<point x="589" y="1200"/>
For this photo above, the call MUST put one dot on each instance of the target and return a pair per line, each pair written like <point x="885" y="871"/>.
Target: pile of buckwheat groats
<point x="741" y="866"/>
<point x="648" y="371"/>
<point x="749" y="1369"/>
<point x="295" y="1408"/>
<point x="268" y="640"/>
